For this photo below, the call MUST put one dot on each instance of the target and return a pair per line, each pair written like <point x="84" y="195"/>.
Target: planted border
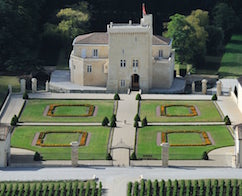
<point x="193" y="111"/>
<point x="51" y="111"/>
<point x="203" y="133"/>
<point x="40" y="141"/>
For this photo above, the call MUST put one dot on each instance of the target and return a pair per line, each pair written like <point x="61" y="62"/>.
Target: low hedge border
<point x="191" y="107"/>
<point x="203" y="133"/>
<point x="43" y="134"/>
<point x="53" y="106"/>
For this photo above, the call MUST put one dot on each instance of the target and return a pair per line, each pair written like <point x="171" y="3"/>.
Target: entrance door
<point x="135" y="82"/>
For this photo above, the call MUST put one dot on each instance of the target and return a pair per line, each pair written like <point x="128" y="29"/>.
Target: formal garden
<point x="179" y="111"/>
<point x="211" y="187"/>
<point x="52" y="188"/>
<point x="186" y="142"/>
<point x="39" y="110"/>
<point x="53" y="142"/>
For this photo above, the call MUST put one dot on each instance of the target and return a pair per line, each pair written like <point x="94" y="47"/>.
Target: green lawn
<point x="184" y="138"/>
<point x="71" y="110"/>
<point x="97" y="148"/>
<point x="208" y="111"/>
<point x="177" y="110"/>
<point x="34" y="111"/>
<point x="61" y="138"/>
<point x="4" y="81"/>
<point x="231" y="63"/>
<point x="147" y="137"/>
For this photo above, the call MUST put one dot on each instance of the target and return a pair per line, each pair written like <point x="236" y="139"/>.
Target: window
<point x="89" y="68"/>
<point x="95" y="52"/>
<point x="160" y="53"/>
<point x="122" y="83"/>
<point x="122" y="63"/>
<point x="135" y="63"/>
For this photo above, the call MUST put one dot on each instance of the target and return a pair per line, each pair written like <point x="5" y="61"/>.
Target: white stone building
<point x="239" y="93"/>
<point x="4" y="146"/>
<point x="126" y="56"/>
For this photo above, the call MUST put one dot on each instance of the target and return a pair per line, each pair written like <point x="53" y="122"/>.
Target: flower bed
<point x="193" y="111"/>
<point x="202" y="133"/>
<point x="40" y="141"/>
<point x="52" y="107"/>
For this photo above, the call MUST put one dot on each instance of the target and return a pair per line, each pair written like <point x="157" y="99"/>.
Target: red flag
<point x="143" y="8"/>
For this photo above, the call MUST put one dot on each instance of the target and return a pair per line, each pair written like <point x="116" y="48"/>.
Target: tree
<point x="199" y="19"/>
<point x="184" y="37"/>
<point x="73" y="20"/>
<point x="105" y="121"/>
<point x="225" y="18"/>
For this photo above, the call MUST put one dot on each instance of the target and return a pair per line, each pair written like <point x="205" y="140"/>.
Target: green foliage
<point x="14" y="120"/>
<point x="227" y="120"/>
<point x="105" y="121"/>
<point x="136" y="118"/>
<point x="113" y="118"/>
<point x="25" y="95"/>
<point x="133" y="156"/>
<point x="37" y="156"/>
<point x="113" y="123"/>
<point x="205" y="156"/>
<point x="116" y="96"/>
<point x="144" y="122"/>
<point x="108" y="156"/>
<point x="129" y="190"/>
<point x="138" y="97"/>
<point x="214" y="97"/>
<point x="136" y="124"/>
<point x="99" y="193"/>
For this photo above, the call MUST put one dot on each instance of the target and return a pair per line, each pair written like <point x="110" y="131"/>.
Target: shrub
<point x="205" y="156"/>
<point x="133" y="156"/>
<point x="138" y="97"/>
<point x="105" y="121"/>
<point x="227" y="120"/>
<point x="136" y="118"/>
<point x="136" y="124"/>
<point x="25" y="95"/>
<point x="214" y="97"/>
<point x="144" y="122"/>
<point x="37" y="157"/>
<point x="109" y="157"/>
<point x="113" y="123"/>
<point x="235" y="91"/>
<point x="113" y="118"/>
<point x="14" y="120"/>
<point x="116" y="96"/>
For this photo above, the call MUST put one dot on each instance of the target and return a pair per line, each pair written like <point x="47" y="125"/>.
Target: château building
<point x="127" y="56"/>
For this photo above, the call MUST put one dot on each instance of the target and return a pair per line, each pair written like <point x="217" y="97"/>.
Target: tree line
<point x="32" y="33"/>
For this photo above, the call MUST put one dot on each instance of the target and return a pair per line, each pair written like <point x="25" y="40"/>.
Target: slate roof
<point x="102" y="38"/>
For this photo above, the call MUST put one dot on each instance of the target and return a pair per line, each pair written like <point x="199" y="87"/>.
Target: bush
<point x="108" y="156"/>
<point x="214" y="97"/>
<point x="105" y="121"/>
<point x="133" y="156"/>
<point x="136" y="118"/>
<point x="235" y="91"/>
<point x="138" y="97"/>
<point x="205" y="156"/>
<point x="144" y="122"/>
<point x="136" y="124"/>
<point x="113" y="123"/>
<point x="25" y="95"/>
<point x="116" y="96"/>
<point x="37" y="157"/>
<point x="227" y="120"/>
<point x="14" y="120"/>
<point x="113" y="118"/>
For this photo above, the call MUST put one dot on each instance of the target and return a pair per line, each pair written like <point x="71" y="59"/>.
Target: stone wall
<point x="239" y="89"/>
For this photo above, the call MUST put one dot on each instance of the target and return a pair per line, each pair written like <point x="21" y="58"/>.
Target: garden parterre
<point x="147" y="142"/>
<point x="96" y="149"/>
<point x="35" y="109"/>
<point x="207" y="111"/>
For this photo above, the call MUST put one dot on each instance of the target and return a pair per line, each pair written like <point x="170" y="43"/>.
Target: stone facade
<point x="127" y="56"/>
<point x="238" y="145"/>
<point x="239" y="91"/>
